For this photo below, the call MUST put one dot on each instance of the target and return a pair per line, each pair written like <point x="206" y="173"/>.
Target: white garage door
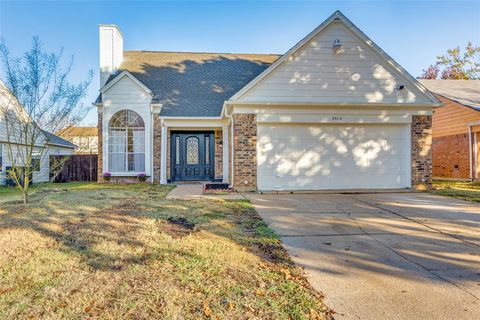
<point x="315" y="157"/>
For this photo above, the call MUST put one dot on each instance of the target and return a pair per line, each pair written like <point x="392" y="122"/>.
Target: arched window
<point x="126" y="142"/>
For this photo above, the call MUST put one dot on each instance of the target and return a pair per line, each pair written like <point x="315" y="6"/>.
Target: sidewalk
<point x="187" y="191"/>
<point x="194" y="191"/>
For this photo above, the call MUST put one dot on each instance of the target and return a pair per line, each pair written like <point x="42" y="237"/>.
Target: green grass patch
<point x="464" y="190"/>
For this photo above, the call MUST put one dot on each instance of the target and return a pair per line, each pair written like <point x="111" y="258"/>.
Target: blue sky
<point x="412" y="32"/>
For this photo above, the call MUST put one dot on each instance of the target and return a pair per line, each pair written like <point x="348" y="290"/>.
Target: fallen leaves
<point x="206" y="309"/>
<point x="286" y="273"/>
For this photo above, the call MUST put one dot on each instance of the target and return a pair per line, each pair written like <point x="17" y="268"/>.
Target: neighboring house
<point x="456" y="128"/>
<point x="41" y="160"/>
<point x="85" y="138"/>
<point x="334" y="112"/>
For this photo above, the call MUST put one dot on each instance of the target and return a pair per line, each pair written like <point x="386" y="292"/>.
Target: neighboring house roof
<point x="51" y="138"/>
<point x="466" y="92"/>
<point x="56" y="140"/>
<point x="78" y="132"/>
<point x="192" y="84"/>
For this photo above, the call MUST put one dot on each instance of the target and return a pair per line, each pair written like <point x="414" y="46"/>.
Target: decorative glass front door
<point x="191" y="156"/>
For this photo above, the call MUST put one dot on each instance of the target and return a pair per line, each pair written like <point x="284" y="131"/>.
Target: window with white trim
<point x="126" y="142"/>
<point x="1" y="157"/>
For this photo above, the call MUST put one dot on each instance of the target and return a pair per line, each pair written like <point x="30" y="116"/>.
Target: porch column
<point x="225" y="154"/>
<point x="163" y="155"/>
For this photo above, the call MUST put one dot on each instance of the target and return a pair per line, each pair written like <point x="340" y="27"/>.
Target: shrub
<point x="142" y="177"/>
<point x="107" y="176"/>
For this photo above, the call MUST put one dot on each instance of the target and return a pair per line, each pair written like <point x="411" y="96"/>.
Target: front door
<point x="192" y="156"/>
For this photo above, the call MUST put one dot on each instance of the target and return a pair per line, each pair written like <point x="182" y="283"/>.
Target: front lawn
<point x="116" y="252"/>
<point x="458" y="189"/>
<point x="8" y="194"/>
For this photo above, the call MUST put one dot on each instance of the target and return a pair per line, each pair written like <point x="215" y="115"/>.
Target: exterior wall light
<point x="337" y="45"/>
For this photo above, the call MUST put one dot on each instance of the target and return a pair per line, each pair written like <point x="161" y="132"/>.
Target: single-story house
<point x="84" y="137"/>
<point x="456" y="129"/>
<point x="12" y="148"/>
<point x="333" y="112"/>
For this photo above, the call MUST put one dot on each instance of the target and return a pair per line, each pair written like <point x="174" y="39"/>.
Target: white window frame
<point x="126" y="152"/>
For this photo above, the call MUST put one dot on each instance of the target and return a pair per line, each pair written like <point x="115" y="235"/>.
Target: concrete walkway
<point x="194" y="191"/>
<point x="383" y="256"/>
<point x="187" y="191"/>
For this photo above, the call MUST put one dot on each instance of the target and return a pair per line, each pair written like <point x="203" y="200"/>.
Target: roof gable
<point x="116" y="78"/>
<point x="311" y="72"/>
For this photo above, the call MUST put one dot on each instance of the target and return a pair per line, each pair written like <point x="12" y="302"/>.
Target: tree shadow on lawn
<point x="101" y="240"/>
<point x="109" y="231"/>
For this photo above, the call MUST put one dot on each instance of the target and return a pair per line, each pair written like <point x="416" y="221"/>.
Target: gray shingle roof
<point x="466" y="92"/>
<point x="194" y="84"/>
<point x="54" y="139"/>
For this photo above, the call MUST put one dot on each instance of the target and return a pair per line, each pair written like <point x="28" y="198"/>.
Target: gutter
<point x="38" y="146"/>
<point x="61" y="145"/>
<point x="332" y="104"/>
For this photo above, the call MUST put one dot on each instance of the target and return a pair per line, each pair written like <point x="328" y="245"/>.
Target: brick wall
<point x="123" y="180"/>
<point x="421" y="152"/>
<point x="157" y="136"/>
<point x="218" y="154"/>
<point x="245" y="145"/>
<point x="451" y="157"/>
<point x="100" y="147"/>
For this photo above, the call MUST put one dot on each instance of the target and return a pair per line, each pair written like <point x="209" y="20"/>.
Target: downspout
<point x="152" y="156"/>
<point x="470" y="150"/>
<point x="475" y="153"/>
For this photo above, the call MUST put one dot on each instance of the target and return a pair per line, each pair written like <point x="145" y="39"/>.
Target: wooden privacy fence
<point x="78" y="167"/>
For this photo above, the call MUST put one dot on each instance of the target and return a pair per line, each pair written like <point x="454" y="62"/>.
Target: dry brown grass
<point x="119" y="252"/>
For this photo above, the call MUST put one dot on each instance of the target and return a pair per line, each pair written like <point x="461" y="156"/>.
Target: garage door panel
<point x="334" y="164"/>
<point x="344" y="132"/>
<point x="329" y="182"/>
<point x="373" y="147"/>
<point x="309" y="161"/>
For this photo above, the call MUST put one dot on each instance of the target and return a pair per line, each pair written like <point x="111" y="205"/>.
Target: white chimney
<point x="111" y="50"/>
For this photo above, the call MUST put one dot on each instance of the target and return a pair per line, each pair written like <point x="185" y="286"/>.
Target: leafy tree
<point x="456" y="64"/>
<point x="36" y="99"/>
<point x="431" y="72"/>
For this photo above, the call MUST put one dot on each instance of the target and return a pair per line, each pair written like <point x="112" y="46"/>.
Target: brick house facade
<point x="455" y="129"/>
<point x="268" y="122"/>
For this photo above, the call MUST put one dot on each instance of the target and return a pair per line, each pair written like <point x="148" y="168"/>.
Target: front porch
<point x="190" y="150"/>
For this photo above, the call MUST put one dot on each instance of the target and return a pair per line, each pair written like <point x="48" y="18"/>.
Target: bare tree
<point x="36" y="100"/>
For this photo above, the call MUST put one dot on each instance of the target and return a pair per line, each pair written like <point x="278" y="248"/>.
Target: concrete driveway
<point x="383" y="256"/>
